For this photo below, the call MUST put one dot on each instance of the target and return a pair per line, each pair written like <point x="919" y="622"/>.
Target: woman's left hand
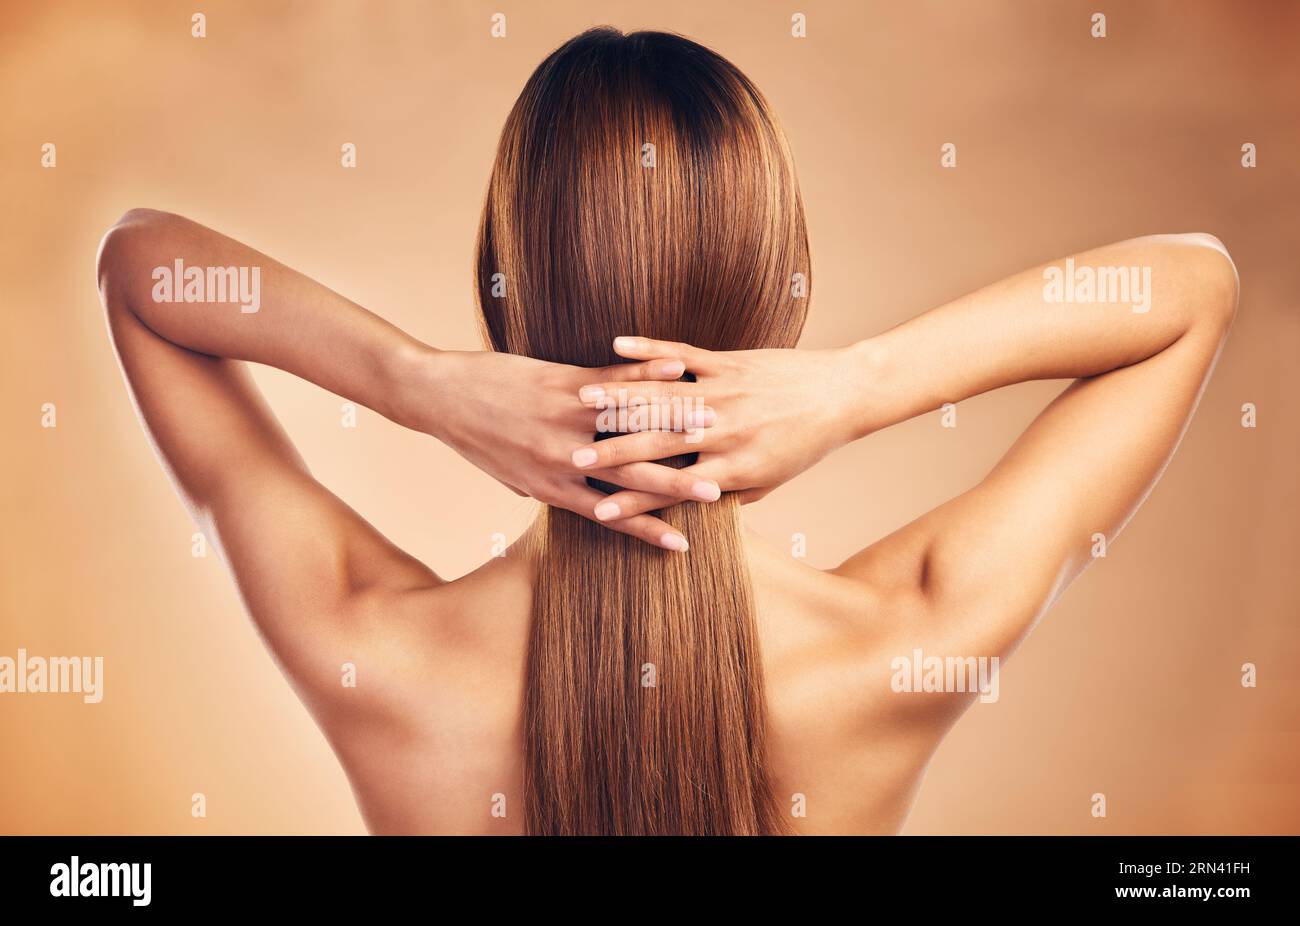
<point x="775" y="413"/>
<point x="519" y="419"/>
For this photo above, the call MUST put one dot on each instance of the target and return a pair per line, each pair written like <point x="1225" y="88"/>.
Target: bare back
<point x="439" y="744"/>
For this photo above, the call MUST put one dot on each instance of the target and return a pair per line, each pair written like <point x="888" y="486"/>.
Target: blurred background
<point x="1131" y="686"/>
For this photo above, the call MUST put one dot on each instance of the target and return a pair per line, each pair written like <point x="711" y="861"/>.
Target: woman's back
<point x="437" y="744"/>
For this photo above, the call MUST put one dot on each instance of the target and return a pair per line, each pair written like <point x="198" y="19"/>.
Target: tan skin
<point x="431" y="732"/>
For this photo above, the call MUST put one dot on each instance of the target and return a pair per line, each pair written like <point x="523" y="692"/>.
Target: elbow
<point x="119" y="249"/>
<point x="1215" y="278"/>
<point x="139" y="216"/>
<point x="109" y="261"/>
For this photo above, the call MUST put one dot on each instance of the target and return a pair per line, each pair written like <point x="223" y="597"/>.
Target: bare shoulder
<point x="843" y="739"/>
<point x="421" y="703"/>
<point x="836" y="637"/>
<point x="423" y="651"/>
<point x="911" y="625"/>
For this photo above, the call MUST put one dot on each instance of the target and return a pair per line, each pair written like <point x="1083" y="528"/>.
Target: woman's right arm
<point x="511" y="416"/>
<point x="994" y="559"/>
<point x="996" y="556"/>
<point x="305" y="563"/>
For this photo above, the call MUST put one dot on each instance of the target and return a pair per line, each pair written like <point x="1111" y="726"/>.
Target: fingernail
<point x="584" y="457"/>
<point x="606" y="511"/>
<point x="708" y="491"/>
<point x="701" y="418"/>
<point x="591" y="393"/>
<point x="624" y="343"/>
<point x="674" y="542"/>
<point x="672" y="368"/>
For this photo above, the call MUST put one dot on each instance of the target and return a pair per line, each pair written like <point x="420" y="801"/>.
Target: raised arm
<point x="992" y="560"/>
<point x="187" y="306"/>
<point x="995" y="557"/>
<point x="300" y="557"/>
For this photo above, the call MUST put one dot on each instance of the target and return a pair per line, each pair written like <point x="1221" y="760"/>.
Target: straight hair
<point x="642" y="186"/>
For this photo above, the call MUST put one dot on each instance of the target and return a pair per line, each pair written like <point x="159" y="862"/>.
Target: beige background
<point x="1130" y="687"/>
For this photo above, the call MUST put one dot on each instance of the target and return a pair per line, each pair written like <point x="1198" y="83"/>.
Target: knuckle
<point x="747" y="467"/>
<point x="547" y="453"/>
<point x="545" y="496"/>
<point x="552" y="495"/>
<point x="671" y="443"/>
<point x="624" y="474"/>
<point x="555" y="412"/>
<point x="644" y="529"/>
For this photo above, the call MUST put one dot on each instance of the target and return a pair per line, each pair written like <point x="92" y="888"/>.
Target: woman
<point x="637" y="663"/>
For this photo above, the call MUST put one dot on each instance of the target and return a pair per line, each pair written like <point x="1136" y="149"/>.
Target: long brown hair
<point x="642" y="187"/>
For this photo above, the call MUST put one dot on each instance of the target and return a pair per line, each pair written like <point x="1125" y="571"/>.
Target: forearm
<point x="210" y="424"/>
<point x="1019" y="329"/>
<point x="231" y="301"/>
